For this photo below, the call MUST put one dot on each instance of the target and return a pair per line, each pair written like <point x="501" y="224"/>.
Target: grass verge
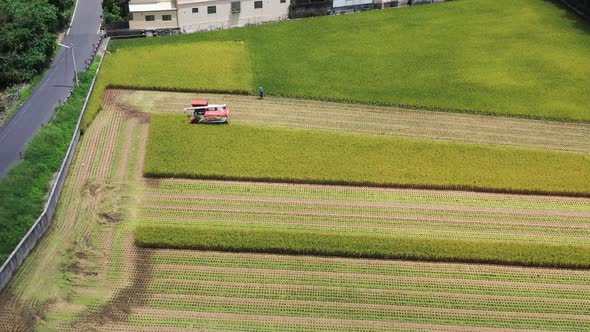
<point x="206" y="66"/>
<point x="23" y="189"/>
<point x="365" y="246"/>
<point x="527" y="59"/>
<point x="9" y="113"/>
<point x="243" y="152"/>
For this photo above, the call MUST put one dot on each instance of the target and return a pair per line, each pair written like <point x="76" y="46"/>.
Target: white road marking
<point x="73" y="15"/>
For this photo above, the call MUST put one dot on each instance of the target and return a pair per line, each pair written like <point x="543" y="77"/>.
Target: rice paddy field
<point x="87" y="274"/>
<point x="527" y="58"/>
<point x="185" y="251"/>
<point x="260" y="153"/>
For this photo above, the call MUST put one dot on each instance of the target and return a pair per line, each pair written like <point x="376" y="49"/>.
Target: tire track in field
<point x="390" y="121"/>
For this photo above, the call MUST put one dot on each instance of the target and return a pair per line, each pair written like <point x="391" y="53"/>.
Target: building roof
<point x="191" y="2"/>
<point x="151" y="6"/>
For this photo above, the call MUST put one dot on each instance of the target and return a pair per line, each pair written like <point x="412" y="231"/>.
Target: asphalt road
<point x="55" y="86"/>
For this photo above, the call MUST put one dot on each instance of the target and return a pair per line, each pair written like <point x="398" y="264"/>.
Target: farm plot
<point x="259" y="153"/>
<point x="87" y="256"/>
<point x="484" y="56"/>
<point x="86" y="274"/>
<point x="256" y="292"/>
<point x="375" y="120"/>
<point x="365" y="222"/>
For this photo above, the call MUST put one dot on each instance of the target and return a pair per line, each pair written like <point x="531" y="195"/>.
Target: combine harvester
<point x="205" y="113"/>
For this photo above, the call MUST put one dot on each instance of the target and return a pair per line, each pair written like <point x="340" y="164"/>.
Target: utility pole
<point x="71" y="48"/>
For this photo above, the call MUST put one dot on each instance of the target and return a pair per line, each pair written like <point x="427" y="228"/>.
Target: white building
<point x="150" y="14"/>
<point x="200" y="15"/>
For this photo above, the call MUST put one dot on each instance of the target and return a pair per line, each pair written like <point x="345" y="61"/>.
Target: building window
<point x="150" y="18"/>
<point x="257" y="4"/>
<point x="211" y="9"/>
<point x="283" y="1"/>
<point x="195" y="10"/>
<point x="166" y="17"/>
<point x="235" y="7"/>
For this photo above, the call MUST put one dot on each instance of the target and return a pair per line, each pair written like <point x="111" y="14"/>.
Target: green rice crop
<point x="204" y="66"/>
<point x="366" y="246"/>
<point x="528" y="58"/>
<point x="244" y="152"/>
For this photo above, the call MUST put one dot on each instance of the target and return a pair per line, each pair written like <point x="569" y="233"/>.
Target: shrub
<point x="23" y="190"/>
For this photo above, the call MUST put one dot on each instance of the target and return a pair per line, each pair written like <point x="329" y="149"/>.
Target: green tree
<point x="26" y="40"/>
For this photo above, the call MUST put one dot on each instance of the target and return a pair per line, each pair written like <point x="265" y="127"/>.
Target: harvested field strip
<point x="168" y="320"/>
<point x="352" y="210"/>
<point x="380" y="120"/>
<point x="373" y="296"/>
<point x="295" y="308"/>
<point x="202" y="259"/>
<point x="343" y="193"/>
<point x="186" y="280"/>
<point x="232" y="289"/>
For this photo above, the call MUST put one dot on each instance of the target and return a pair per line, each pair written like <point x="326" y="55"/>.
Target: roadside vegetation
<point x="23" y="190"/>
<point x="115" y="11"/>
<point x="527" y="59"/>
<point x="211" y="67"/>
<point x="244" y="152"/>
<point x="27" y="41"/>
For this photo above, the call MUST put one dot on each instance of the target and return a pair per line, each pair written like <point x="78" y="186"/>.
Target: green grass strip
<point x="361" y="246"/>
<point x="243" y="152"/>
<point x="23" y="190"/>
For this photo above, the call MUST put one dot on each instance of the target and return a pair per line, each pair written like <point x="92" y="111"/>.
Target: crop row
<point x="360" y="245"/>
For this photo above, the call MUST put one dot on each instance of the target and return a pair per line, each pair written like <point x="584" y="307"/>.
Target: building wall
<point x="139" y="22"/>
<point x="272" y="10"/>
<point x="346" y="3"/>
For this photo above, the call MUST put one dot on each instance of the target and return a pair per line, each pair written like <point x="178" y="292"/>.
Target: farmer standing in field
<point x="261" y="92"/>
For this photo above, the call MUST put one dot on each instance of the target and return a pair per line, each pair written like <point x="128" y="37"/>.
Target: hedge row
<point x="23" y="190"/>
<point x="360" y="246"/>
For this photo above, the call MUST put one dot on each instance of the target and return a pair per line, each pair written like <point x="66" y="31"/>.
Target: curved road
<point x="38" y="109"/>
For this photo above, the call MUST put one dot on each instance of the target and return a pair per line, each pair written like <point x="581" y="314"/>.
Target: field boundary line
<point x="38" y="229"/>
<point x="370" y="184"/>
